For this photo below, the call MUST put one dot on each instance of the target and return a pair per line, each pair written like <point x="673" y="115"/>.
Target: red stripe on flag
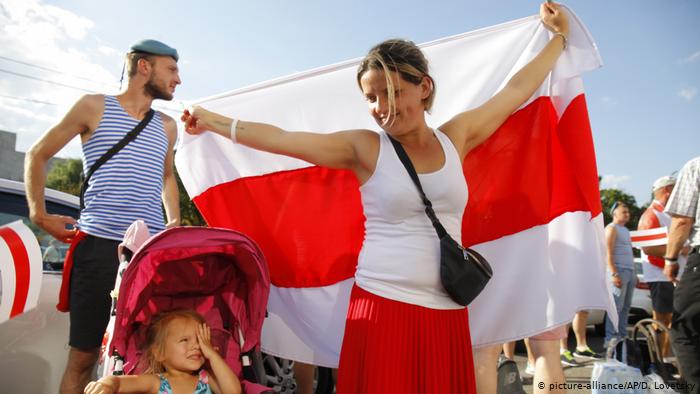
<point x="310" y="225"/>
<point x="308" y="222"/>
<point x="640" y="238"/>
<point x="21" y="261"/>
<point x="532" y="170"/>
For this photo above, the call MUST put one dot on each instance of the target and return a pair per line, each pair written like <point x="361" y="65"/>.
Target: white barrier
<point x="20" y="270"/>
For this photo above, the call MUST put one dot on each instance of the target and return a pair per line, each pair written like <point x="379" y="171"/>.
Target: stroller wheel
<point x="279" y="375"/>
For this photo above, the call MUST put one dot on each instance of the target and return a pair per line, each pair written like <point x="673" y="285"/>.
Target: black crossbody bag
<point x="464" y="272"/>
<point x="130" y="136"/>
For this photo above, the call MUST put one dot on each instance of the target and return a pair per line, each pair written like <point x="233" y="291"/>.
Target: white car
<point x="34" y="345"/>
<point x="641" y="302"/>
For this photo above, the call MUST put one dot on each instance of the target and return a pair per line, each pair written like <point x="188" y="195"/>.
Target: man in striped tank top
<point x="128" y="187"/>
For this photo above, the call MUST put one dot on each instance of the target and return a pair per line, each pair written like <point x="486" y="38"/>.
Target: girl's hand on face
<point x="554" y="18"/>
<point x="204" y="339"/>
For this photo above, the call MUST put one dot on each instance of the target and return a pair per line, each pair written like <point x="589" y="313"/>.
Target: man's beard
<point x="156" y="92"/>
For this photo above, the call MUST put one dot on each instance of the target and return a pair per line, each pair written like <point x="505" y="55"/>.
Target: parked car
<point x="641" y="302"/>
<point x="33" y="346"/>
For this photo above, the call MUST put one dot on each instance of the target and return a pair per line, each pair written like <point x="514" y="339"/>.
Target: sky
<point x="643" y="103"/>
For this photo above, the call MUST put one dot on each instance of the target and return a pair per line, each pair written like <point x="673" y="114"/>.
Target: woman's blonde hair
<point x="154" y="347"/>
<point x="403" y="57"/>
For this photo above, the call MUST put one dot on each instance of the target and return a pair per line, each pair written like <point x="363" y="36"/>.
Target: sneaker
<point x="587" y="353"/>
<point x="502" y="359"/>
<point x="568" y="359"/>
<point x="529" y="369"/>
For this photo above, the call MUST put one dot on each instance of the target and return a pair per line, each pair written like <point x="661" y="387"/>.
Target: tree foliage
<point x="188" y="212"/>
<point x="65" y="176"/>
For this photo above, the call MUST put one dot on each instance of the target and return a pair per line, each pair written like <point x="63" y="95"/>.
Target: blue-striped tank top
<point x="128" y="186"/>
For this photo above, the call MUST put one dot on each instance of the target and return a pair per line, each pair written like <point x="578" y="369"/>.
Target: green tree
<point x="65" y="176"/>
<point x="609" y="196"/>
<point x="188" y="211"/>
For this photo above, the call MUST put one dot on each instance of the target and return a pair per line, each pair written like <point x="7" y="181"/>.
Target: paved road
<point x="580" y="374"/>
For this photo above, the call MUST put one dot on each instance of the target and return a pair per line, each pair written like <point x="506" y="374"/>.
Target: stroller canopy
<point x="219" y="273"/>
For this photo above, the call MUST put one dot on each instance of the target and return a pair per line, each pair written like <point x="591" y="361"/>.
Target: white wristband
<point x="234" y="125"/>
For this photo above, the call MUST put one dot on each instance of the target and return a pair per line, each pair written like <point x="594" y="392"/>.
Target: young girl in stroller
<point x="220" y="277"/>
<point x="177" y="347"/>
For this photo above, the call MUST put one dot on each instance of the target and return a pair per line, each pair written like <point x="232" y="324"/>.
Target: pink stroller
<point x="217" y="272"/>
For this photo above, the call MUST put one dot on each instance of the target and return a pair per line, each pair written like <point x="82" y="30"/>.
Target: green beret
<point x="154" y="47"/>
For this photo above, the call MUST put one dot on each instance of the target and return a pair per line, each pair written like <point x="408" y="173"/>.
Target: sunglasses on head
<point x="615" y="205"/>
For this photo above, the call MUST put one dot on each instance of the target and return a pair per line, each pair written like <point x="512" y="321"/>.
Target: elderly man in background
<point x="660" y="286"/>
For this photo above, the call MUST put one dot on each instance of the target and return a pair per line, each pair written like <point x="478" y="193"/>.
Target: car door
<point x="34" y="345"/>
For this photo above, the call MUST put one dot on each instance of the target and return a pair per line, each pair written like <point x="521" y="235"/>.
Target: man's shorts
<point x="95" y="265"/>
<point x="661" y="296"/>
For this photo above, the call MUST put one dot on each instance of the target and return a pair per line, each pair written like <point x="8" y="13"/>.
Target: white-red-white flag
<point x="650" y="237"/>
<point x="534" y="206"/>
<point x="20" y="270"/>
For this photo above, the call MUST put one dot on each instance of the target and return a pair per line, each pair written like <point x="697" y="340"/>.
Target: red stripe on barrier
<point x="22" y="272"/>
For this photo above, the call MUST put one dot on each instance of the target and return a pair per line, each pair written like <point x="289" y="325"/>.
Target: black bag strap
<point x="130" y="136"/>
<point x="403" y="156"/>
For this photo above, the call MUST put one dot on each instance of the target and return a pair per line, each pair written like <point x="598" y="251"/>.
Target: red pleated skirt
<point x="394" y="347"/>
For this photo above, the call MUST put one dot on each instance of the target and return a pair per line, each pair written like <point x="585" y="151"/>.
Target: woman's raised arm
<point x="474" y="126"/>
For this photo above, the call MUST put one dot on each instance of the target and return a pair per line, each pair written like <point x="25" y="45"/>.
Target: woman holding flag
<point x="399" y="315"/>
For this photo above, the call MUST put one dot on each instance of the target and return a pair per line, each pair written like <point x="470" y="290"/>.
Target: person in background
<point x="660" y="286"/>
<point x="52" y="256"/>
<point x="543" y="354"/>
<point x="620" y="263"/>
<point x="542" y="364"/>
<point x="582" y="349"/>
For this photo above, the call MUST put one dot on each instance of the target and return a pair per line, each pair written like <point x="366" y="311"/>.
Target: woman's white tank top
<point x="400" y="256"/>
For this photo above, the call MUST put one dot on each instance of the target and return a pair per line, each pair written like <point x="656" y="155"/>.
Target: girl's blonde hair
<point x="155" y="338"/>
<point x="403" y="57"/>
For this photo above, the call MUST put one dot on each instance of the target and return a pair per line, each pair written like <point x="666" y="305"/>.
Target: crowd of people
<point x="662" y="265"/>
<point x="394" y="289"/>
